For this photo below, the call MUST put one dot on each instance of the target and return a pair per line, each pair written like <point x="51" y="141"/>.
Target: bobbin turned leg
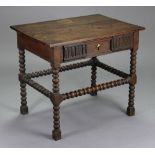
<point x="56" y="133"/>
<point x="24" y="107"/>
<point x="93" y="75"/>
<point x="131" y="108"/>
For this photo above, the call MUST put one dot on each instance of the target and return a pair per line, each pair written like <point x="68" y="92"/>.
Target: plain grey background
<point x="87" y="121"/>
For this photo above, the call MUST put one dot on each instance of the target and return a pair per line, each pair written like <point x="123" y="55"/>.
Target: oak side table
<point x="66" y="40"/>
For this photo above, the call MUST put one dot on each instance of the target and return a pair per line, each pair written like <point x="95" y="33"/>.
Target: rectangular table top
<point x="59" y="32"/>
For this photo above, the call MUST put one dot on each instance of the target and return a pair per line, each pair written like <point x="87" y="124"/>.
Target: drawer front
<point x="122" y="42"/>
<point x="98" y="47"/>
<point x="86" y="49"/>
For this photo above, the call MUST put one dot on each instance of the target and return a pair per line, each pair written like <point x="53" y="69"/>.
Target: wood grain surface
<point x="76" y="29"/>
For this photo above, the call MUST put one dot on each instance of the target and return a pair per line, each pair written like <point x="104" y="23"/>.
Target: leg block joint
<point x="56" y="98"/>
<point x="133" y="79"/>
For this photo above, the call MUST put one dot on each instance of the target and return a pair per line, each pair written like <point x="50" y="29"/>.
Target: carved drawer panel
<point x="98" y="47"/>
<point x="122" y="42"/>
<point x="73" y="52"/>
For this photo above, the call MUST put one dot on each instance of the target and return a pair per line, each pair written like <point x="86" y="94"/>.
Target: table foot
<point x="130" y="111"/>
<point x="56" y="134"/>
<point x="24" y="109"/>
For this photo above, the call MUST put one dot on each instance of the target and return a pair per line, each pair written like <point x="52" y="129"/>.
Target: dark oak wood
<point x="22" y="69"/>
<point x="130" y="108"/>
<point x="99" y="87"/>
<point x="133" y="53"/>
<point x="74" y="52"/>
<point x="66" y="40"/>
<point x="56" y="134"/>
<point x="122" y="42"/>
<point x="93" y="75"/>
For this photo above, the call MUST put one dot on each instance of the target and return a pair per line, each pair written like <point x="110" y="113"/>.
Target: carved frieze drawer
<point x="122" y="42"/>
<point x="73" y="52"/>
<point x="97" y="47"/>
